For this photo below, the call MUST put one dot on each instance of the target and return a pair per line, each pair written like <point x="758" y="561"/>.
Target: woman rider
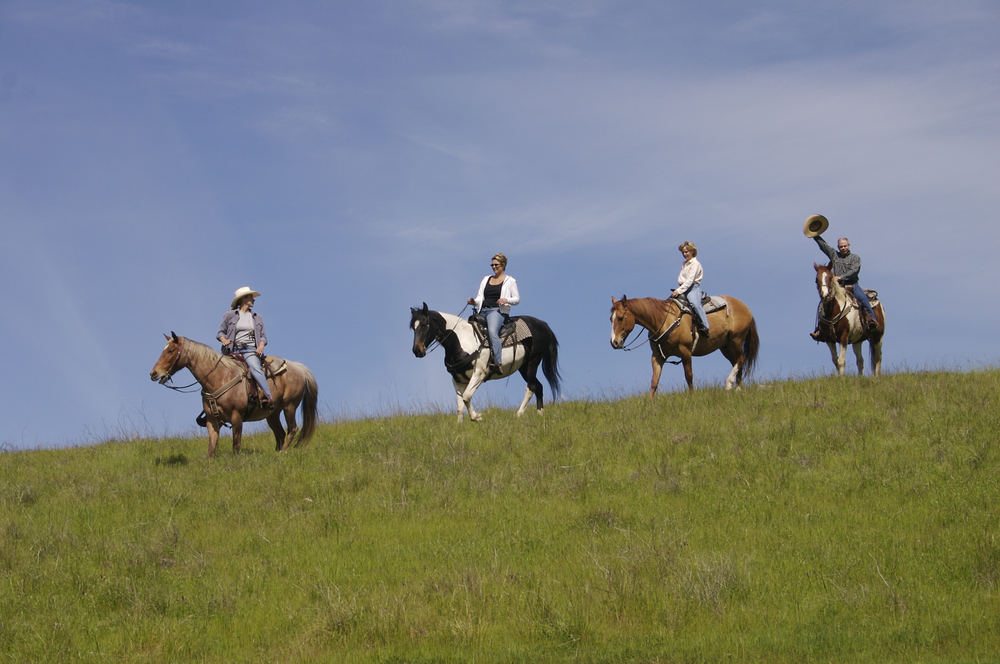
<point x="689" y="285"/>
<point x="497" y="294"/>
<point x="242" y="331"/>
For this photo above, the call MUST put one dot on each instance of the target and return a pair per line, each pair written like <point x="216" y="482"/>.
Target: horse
<point x="671" y="334"/>
<point x="225" y="392"/>
<point x="467" y="359"/>
<point x="841" y="322"/>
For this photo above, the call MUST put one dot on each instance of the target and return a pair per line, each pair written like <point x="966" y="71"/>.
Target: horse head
<point x="169" y="361"/>
<point x="622" y="322"/>
<point x="826" y="283"/>
<point x="423" y="332"/>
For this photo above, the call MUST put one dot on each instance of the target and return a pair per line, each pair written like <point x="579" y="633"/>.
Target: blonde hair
<point x="689" y="245"/>
<point x="500" y="258"/>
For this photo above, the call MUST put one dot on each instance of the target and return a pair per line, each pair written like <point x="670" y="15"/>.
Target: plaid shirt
<point x="845" y="268"/>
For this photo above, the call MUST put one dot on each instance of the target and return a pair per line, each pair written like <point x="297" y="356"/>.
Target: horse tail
<point x="550" y="365"/>
<point x="751" y="346"/>
<point x="309" y="399"/>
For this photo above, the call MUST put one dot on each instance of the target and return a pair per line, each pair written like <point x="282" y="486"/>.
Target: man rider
<point x="846" y="267"/>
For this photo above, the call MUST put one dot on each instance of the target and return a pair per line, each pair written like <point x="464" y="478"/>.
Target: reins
<point x="431" y="347"/>
<point x="649" y="337"/>
<point x="185" y="389"/>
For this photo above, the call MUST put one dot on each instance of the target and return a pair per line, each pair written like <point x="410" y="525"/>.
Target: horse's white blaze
<point x="416" y="325"/>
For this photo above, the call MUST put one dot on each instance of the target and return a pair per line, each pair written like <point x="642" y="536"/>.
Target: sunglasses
<point x="494" y="265"/>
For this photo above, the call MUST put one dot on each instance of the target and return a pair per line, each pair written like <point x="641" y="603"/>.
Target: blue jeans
<point x="862" y="297"/>
<point x="494" y="321"/>
<point x="256" y="370"/>
<point x="694" y="299"/>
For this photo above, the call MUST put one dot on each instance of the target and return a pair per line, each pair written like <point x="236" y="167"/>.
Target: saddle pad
<point x="516" y="330"/>
<point x="710" y="304"/>
<point x="714" y="303"/>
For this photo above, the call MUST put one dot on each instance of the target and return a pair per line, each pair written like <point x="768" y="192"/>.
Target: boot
<point x="816" y="335"/>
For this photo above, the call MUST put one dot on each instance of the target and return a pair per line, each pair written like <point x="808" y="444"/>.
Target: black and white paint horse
<point x="466" y="358"/>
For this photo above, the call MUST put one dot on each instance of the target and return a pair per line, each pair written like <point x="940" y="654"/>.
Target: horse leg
<point x="733" y="352"/>
<point x="839" y="357"/>
<point x="274" y="421"/>
<point x="876" y="349"/>
<point x="657" y="361"/>
<point x="466" y="397"/>
<point x="237" y="424"/>
<point x="529" y="372"/>
<point x="688" y="371"/>
<point x="213" y="435"/>
<point x="462" y="402"/>
<point x="293" y="427"/>
<point x="860" y="356"/>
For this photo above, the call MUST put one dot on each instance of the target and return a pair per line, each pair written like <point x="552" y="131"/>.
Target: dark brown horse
<point x="841" y="322"/>
<point x="225" y="392"/>
<point x="671" y="334"/>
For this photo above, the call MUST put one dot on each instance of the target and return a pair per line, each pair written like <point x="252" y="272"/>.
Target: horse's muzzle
<point x="419" y="351"/>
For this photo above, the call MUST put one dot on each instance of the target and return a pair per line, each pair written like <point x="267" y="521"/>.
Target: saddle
<point x="872" y="295"/>
<point x="710" y="304"/>
<point x="513" y="331"/>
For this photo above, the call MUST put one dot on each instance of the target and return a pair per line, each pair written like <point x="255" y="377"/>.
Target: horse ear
<point x="425" y="307"/>
<point x="613" y="300"/>
<point x="166" y="337"/>
<point x="816" y="266"/>
<point x="174" y="336"/>
<point x="624" y="297"/>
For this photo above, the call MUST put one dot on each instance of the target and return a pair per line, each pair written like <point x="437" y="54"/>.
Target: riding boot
<point x="816" y="335"/>
<point x="493" y="367"/>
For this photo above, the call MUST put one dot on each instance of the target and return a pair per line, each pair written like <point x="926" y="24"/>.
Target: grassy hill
<point x="824" y="520"/>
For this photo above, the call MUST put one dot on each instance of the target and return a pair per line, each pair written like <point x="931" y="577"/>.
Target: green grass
<point x="823" y="520"/>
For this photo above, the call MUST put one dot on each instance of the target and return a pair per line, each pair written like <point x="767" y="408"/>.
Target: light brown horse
<point x="216" y="371"/>
<point x="671" y="334"/>
<point x="841" y="322"/>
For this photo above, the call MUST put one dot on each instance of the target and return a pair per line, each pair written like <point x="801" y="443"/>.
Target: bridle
<point x="435" y="342"/>
<point x="832" y="297"/>
<point x="184" y="389"/>
<point x="649" y="337"/>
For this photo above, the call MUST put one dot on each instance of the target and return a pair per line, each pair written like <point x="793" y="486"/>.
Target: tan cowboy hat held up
<point x="815" y="225"/>
<point x="242" y="293"/>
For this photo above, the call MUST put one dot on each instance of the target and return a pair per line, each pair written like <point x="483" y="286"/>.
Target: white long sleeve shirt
<point x="508" y="289"/>
<point x="691" y="273"/>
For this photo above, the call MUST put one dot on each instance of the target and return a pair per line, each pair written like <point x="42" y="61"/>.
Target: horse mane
<point x="649" y="307"/>
<point x="200" y="353"/>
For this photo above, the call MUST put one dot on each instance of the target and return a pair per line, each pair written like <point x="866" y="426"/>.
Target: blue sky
<point x="350" y="160"/>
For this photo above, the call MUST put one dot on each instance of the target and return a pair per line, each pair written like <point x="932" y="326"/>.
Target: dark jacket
<point x="846" y="268"/>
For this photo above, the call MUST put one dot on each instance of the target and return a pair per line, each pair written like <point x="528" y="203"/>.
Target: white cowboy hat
<point x="815" y="225"/>
<point x="242" y="293"/>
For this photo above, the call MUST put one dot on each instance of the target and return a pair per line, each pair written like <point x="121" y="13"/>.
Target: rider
<point x="689" y="285"/>
<point x="846" y="267"/>
<point x="242" y="331"/>
<point x="497" y="294"/>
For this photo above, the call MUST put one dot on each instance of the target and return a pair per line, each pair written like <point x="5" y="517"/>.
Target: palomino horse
<point x="468" y="366"/>
<point x="732" y="330"/>
<point x="220" y="378"/>
<point x="841" y="322"/>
